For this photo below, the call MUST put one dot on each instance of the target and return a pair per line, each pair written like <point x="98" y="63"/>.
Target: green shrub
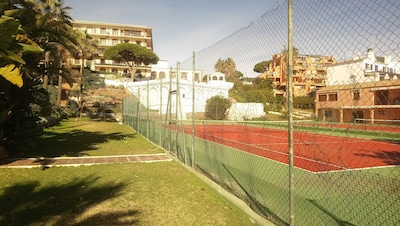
<point x="216" y="107"/>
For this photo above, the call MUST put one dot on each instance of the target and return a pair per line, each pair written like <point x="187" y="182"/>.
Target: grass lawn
<point x="88" y="138"/>
<point x="162" y="193"/>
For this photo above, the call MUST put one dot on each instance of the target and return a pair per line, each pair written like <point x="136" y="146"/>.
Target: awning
<point x="385" y="88"/>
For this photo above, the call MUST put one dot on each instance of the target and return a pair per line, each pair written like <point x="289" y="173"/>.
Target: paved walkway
<point x="81" y="161"/>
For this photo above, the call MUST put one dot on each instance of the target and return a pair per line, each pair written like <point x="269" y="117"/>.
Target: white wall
<point x="243" y="111"/>
<point x="203" y="91"/>
<point x="356" y="71"/>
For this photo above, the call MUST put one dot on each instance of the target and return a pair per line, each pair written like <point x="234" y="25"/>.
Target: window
<point x="368" y="67"/>
<point x="184" y="76"/>
<point x="376" y="68"/>
<point x="356" y="94"/>
<point x="382" y="112"/>
<point x="358" y="115"/>
<point x="153" y="75"/>
<point x="382" y="97"/>
<point x="162" y="74"/>
<point x="114" y="42"/>
<point x="322" y="97"/>
<point x="103" y="31"/>
<point x="102" y="41"/>
<point x="328" y="113"/>
<point x="332" y="97"/>
<point x="115" y="32"/>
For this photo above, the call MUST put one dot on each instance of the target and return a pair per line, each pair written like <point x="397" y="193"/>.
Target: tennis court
<point x="365" y="125"/>
<point x="312" y="151"/>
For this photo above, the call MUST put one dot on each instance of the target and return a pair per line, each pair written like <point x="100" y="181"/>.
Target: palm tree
<point x="87" y="48"/>
<point x="48" y="23"/>
<point x="50" y="28"/>
<point x="228" y="67"/>
<point x="219" y="66"/>
<point x="14" y="43"/>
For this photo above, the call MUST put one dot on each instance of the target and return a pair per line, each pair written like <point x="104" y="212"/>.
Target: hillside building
<point x="361" y="89"/>
<point x="309" y="73"/>
<point x="110" y="34"/>
<point x="363" y="69"/>
<point x="375" y="101"/>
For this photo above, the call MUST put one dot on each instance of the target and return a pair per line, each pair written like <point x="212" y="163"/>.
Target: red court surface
<point x="313" y="152"/>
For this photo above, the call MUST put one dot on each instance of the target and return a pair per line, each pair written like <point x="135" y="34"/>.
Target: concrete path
<point x="81" y="161"/>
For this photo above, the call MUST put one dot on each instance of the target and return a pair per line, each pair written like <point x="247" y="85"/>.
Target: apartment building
<point x="309" y="73"/>
<point x="363" y="69"/>
<point x="110" y="34"/>
<point x="364" y="89"/>
<point x="371" y="102"/>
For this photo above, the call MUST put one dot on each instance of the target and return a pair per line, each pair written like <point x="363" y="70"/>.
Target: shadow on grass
<point x="30" y="203"/>
<point x="74" y="143"/>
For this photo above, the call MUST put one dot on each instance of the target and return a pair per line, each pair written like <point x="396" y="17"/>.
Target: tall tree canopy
<point x="226" y="66"/>
<point x="262" y="66"/>
<point x="14" y="42"/>
<point x="25" y="28"/>
<point x="132" y="55"/>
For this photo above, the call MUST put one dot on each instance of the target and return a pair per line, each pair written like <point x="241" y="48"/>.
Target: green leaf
<point x="8" y="28"/>
<point x="15" y="57"/>
<point x="30" y="48"/>
<point x="13" y="12"/>
<point x="12" y="74"/>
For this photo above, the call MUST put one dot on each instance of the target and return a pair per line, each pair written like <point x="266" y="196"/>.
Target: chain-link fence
<point x="345" y="82"/>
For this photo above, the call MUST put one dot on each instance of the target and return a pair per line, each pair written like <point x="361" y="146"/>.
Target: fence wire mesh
<point x="346" y="87"/>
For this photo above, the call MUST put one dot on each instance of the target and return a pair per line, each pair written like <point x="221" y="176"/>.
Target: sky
<point x="179" y="26"/>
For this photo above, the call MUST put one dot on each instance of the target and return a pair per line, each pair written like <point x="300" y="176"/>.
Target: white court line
<point x="281" y="153"/>
<point x="357" y="169"/>
<point x="341" y="168"/>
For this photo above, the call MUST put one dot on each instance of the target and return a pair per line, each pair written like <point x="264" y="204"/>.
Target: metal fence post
<point x="290" y="111"/>
<point x="193" y="101"/>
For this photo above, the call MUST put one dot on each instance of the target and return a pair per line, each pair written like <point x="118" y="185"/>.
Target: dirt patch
<point x="106" y="95"/>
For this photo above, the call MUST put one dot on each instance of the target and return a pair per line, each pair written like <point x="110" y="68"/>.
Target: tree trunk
<point x="132" y="70"/>
<point x="46" y="74"/>
<point x="60" y="80"/>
